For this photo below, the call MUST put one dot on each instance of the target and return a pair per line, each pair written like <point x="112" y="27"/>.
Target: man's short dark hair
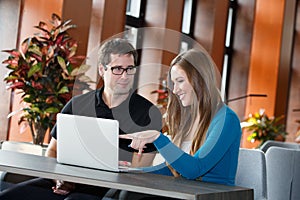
<point x="117" y="46"/>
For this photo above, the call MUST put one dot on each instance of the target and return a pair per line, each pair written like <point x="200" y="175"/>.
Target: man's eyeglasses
<point x="119" y="70"/>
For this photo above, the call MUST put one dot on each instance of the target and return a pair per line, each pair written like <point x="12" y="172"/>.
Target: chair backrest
<point x="283" y="173"/>
<point x="265" y="146"/>
<point x="23" y="147"/>
<point x="251" y="172"/>
<point x="296" y="181"/>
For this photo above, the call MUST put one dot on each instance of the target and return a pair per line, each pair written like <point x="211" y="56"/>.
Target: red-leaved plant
<point x="44" y="70"/>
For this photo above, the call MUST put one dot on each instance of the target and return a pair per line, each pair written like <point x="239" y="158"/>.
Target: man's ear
<point x="101" y="70"/>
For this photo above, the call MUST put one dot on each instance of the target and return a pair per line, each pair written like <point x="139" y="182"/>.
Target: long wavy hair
<point x="195" y="119"/>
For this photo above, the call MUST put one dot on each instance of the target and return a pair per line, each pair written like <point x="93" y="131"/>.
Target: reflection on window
<point x="133" y="8"/>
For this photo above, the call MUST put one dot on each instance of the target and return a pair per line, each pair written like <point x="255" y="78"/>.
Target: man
<point x="115" y="100"/>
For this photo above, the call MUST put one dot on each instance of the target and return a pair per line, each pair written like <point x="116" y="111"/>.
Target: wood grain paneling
<point x="166" y="17"/>
<point x="10" y="11"/>
<point x="113" y="21"/>
<point x="294" y="91"/>
<point x="240" y="63"/>
<point x="79" y="11"/>
<point x="33" y="12"/>
<point x="172" y="39"/>
<point x="265" y="55"/>
<point x="204" y="23"/>
<point x="264" y="58"/>
<point x="220" y="27"/>
<point x="285" y="61"/>
<point x="94" y="41"/>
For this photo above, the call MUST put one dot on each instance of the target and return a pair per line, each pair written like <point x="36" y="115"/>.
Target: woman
<point x="205" y="132"/>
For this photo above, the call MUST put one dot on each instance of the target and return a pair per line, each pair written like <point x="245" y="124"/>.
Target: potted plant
<point x="44" y="70"/>
<point x="264" y="128"/>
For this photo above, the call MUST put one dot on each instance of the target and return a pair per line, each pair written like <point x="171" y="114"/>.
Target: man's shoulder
<point x="86" y="95"/>
<point x="86" y="99"/>
<point x="137" y="98"/>
<point x="83" y="104"/>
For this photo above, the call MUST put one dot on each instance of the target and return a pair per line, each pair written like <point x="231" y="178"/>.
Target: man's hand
<point x="63" y="187"/>
<point x="140" y="139"/>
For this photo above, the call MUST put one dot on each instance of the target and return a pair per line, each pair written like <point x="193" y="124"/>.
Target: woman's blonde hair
<point x="201" y="73"/>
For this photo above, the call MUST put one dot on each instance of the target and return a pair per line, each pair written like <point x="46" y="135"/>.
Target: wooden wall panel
<point x="33" y="12"/>
<point x="240" y="63"/>
<point x="10" y="11"/>
<point x="210" y="28"/>
<point x="173" y="22"/>
<point x="204" y="23"/>
<point x="294" y="92"/>
<point x="285" y="62"/>
<point x="113" y="21"/>
<point x="94" y="41"/>
<point x="79" y="11"/>
<point x="166" y="17"/>
<point x="265" y="57"/>
<point x="172" y="38"/>
<point x="220" y="27"/>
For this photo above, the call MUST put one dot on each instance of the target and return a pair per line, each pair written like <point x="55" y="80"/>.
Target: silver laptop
<point x="89" y="142"/>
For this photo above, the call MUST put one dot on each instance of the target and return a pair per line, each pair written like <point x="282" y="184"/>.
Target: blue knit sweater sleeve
<point x="223" y="132"/>
<point x="159" y="169"/>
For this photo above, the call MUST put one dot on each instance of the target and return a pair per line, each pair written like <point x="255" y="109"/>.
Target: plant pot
<point x="38" y="133"/>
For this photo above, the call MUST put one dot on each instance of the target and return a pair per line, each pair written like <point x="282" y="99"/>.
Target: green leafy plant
<point x="264" y="128"/>
<point x="44" y="70"/>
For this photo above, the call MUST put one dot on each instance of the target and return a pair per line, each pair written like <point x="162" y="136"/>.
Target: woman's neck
<point x="193" y="130"/>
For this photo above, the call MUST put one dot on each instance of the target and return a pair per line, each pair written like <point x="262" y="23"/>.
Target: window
<point x="135" y="17"/>
<point x="187" y="27"/>
<point x="187" y="17"/>
<point x="133" y="8"/>
<point x="228" y="47"/>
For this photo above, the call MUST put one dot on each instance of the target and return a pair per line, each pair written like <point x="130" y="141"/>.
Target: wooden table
<point x="40" y="166"/>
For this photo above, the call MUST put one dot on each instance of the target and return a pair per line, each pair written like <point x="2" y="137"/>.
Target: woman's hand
<point x="63" y="187"/>
<point x="140" y="139"/>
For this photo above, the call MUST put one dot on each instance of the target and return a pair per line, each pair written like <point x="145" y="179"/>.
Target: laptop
<point x="89" y="142"/>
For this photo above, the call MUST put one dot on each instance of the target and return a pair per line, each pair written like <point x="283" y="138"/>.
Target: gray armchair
<point x="251" y="172"/>
<point x="271" y="143"/>
<point x="283" y="173"/>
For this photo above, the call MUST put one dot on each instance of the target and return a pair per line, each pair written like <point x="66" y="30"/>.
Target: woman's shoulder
<point x="228" y="111"/>
<point x="225" y="113"/>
